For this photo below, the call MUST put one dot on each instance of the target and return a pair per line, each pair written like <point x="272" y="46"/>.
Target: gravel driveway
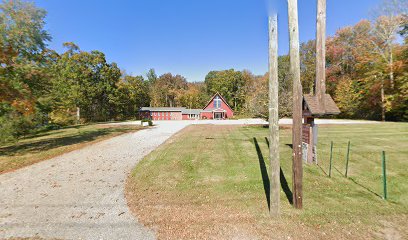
<point x="79" y="195"/>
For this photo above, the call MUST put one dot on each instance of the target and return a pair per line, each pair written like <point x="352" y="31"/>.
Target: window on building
<point x="217" y="102"/>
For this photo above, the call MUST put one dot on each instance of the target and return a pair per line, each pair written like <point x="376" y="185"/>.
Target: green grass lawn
<point x="212" y="181"/>
<point x="44" y="145"/>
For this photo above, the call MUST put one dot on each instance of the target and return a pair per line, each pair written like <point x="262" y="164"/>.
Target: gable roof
<point x="312" y="104"/>
<point x="222" y="98"/>
<point x="163" y="109"/>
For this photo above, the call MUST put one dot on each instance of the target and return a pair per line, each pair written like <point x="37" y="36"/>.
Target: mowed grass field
<point x="211" y="182"/>
<point x="48" y="144"/>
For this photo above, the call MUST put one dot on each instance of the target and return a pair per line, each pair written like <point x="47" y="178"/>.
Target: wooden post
<point x="297" y="166"/>
<point x="331" y="158"/>
<point x="314" y="143"/>
<point x="320" y="85"/>
<point x="384" y="173"/>
<point x="347" y="158"/>
<point x="274" y="166"/>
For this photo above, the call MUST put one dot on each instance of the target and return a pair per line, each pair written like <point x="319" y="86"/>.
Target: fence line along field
<point x="214" y="180"/>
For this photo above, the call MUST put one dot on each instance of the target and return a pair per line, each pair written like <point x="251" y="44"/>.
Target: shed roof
<point x="163" y="109"/>
<point x="191" y="111"/>
<point x="312" y="104"/>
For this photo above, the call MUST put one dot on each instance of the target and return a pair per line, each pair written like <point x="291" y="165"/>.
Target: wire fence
<point x="356" y="162"/>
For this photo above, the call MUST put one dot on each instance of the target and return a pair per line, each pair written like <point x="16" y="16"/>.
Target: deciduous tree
<point x="23" y="66"/>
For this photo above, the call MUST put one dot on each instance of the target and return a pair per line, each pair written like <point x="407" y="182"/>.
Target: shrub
<point x="150" y="122"/>
<point x="6" y="130"/>
<point x="63" y="117"/>
<point x="15" y="125"/>
<point x="23" y="125"/>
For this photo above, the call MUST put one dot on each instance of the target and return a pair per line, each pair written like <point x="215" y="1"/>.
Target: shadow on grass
<point x="353" y="180"/>
<point x="321" y="168"/>
<point x="366" y="188"/>
<point x="337" y="170"/>
<point x="265" y="177"/>
<point x="264" y="172"/>
<point x="50" y="131"/>
<point x="285" y="187"/>
<point x="283" y="182"/>
<point x="47" y="144"/>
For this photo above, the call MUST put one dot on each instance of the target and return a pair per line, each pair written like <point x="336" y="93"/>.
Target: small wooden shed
<point x="312" y="108"/>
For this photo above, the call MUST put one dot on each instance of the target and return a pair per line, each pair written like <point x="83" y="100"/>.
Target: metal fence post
<point x="384" y="172"/>
<point x="331" y="157"/>
<point x="347" y="158"/>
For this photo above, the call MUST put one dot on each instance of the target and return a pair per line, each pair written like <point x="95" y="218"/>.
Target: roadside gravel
<point x="79" y="195"/>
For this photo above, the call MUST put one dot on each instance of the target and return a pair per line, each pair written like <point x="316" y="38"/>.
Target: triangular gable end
<point x="222" y="98"/>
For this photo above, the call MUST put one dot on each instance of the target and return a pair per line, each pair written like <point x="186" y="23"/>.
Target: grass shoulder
<point x="212" y="181"/>
<point x="47" y="144"/>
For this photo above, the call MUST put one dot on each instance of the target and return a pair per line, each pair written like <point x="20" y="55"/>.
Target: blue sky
<point x="187" y="37"/>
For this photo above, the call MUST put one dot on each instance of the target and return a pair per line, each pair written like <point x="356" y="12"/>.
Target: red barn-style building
<point x="216" y="108"/>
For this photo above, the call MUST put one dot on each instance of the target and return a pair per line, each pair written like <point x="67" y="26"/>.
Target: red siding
<point x="206" y="115"/>
<point x="155" y="115"/>
<point x="176" y="116"/>
<point x="185" y="117"/>
<point x="228" y="114"/>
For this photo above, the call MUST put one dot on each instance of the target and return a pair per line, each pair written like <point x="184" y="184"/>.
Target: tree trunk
<point x="382" y="101"/>
<point x="391" y="70"/>
<point x="78" y="115"/>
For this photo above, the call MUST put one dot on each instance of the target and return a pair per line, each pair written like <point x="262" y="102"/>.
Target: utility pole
<point x="320" y="82"/>
<point x="274" y="164"/>
<point x="297" y="166"/>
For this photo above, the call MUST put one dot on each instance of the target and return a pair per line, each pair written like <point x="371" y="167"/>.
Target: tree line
<point x="367" y="75"/>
